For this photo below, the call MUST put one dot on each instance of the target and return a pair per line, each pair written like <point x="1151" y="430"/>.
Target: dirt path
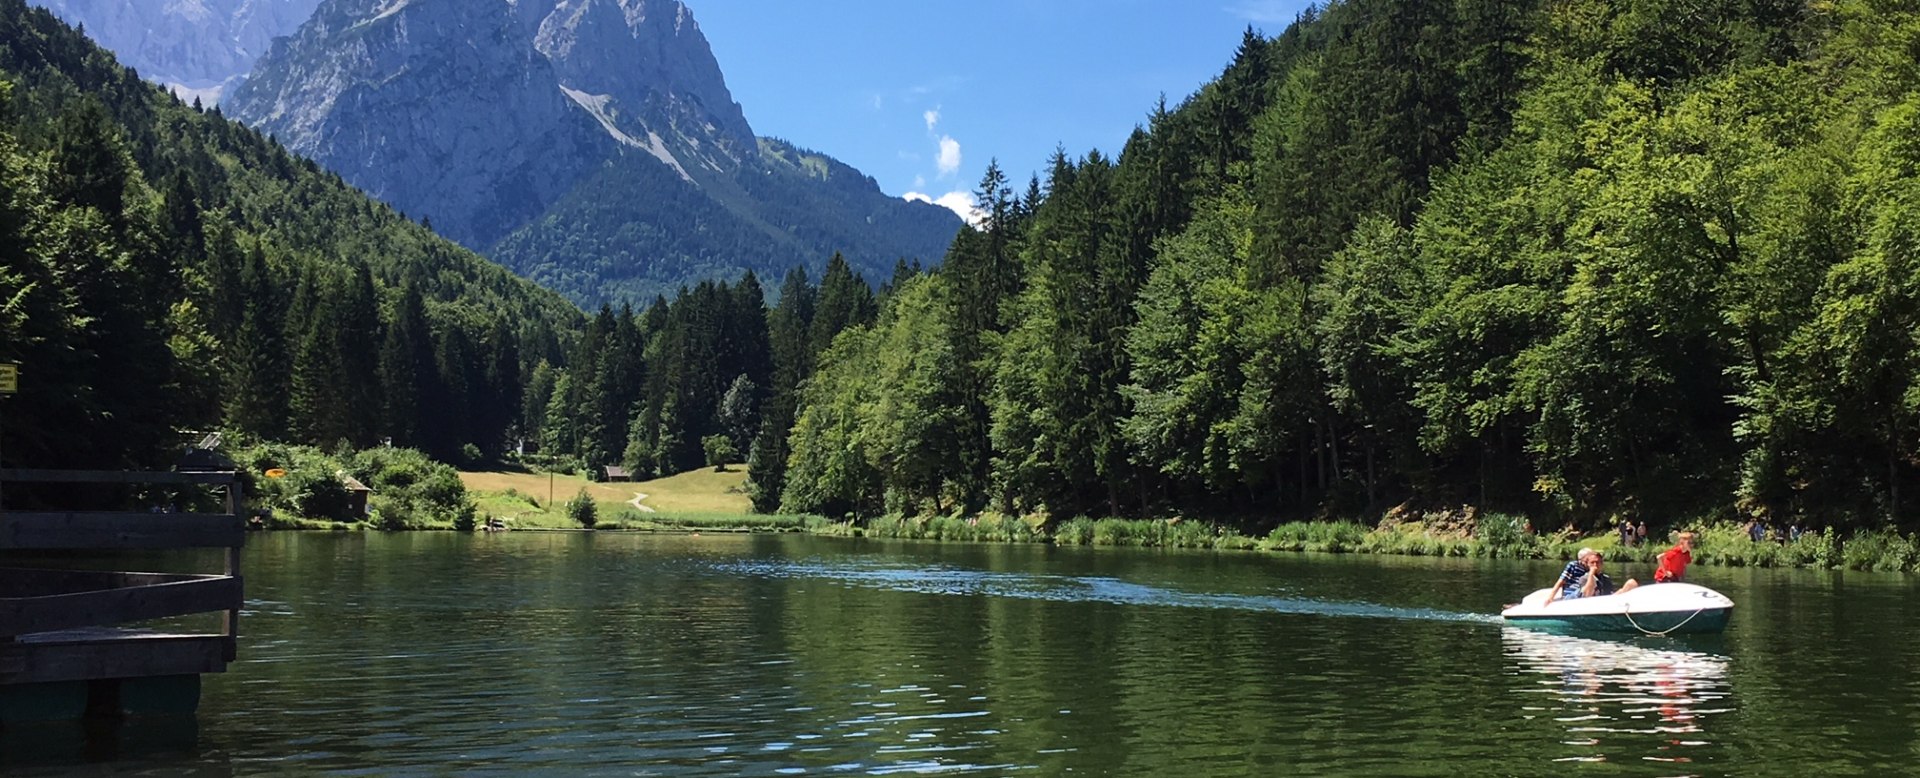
<point x="635" y="502"/>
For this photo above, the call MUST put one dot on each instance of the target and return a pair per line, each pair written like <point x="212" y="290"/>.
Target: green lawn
<point x="698" y="498"/>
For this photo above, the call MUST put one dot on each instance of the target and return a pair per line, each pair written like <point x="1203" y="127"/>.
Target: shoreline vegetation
<point x="1720" y="545"/>
<point x="412" y="492"/>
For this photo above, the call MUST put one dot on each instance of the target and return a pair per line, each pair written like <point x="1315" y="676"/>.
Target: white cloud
<point x="919" y="181"/>
<point x="949" y="159"/>
<point x="933" y="118"/>
<point x="958" y="202"/>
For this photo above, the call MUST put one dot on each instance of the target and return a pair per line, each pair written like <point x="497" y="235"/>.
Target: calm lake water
<point x="617" y="654"/>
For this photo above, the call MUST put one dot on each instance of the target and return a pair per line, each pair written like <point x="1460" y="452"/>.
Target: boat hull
<point x="1657" y="609"/>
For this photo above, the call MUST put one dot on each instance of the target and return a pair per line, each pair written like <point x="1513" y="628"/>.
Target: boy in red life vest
<point x="1673" y="563"/>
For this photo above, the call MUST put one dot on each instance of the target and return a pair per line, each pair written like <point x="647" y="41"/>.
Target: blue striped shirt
<point x="1574" y="577"/>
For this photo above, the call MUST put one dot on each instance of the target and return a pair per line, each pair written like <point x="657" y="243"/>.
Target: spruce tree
<point x="407" y="372"/>
<point x="257" y="401"/>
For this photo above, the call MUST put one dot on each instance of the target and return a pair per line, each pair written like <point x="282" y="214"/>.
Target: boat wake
<point x="940" y="580"/>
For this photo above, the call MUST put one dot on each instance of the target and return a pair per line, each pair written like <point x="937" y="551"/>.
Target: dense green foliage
<point x="411" y="491"/>
<point x="679" y="386"/>
<point x="1569" y="258"/>
<point x="163" y="268"/>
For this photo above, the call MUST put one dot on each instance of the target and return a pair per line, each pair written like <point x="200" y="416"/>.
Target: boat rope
<point x="1628" y="610"/>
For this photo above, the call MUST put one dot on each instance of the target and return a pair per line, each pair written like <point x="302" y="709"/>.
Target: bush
<point x="1501" y="535"/>
<point x="320" y="495"/>
<point x="1074" y="532"/>
<point x="581" y="509"/>
<point x="394" y="512"/>
<point x="1883" y="550"/>
<point x="1328" y="536"/>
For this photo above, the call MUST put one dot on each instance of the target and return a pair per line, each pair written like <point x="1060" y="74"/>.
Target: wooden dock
<point x="65" y="649"/>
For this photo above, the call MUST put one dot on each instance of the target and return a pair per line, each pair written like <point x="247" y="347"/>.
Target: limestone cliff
<point x="196" y="47"/>
<point x="592" y="144"/>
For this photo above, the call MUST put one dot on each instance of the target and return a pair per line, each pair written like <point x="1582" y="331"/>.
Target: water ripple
<point x="941" y="580"/>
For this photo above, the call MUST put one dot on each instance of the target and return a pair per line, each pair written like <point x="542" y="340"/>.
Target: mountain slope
<point x="164" y="268"/>
<point x="591" y="144"/>
<point x="197" y="47"/>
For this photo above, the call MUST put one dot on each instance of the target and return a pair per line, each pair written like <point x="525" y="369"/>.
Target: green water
<point x="529" y="653"/>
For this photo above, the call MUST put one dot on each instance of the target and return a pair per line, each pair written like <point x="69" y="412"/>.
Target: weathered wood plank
<point x="42" y="582"/>
<point x="24" y="615"/>
<point x="118" y="655"/>
<point x="230" y="621"/>
<point x="120" y="530"/>
<point x="117" y="477"/>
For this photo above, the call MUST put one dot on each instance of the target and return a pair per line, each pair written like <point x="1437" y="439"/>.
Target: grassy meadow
<point x="697" y="499"/>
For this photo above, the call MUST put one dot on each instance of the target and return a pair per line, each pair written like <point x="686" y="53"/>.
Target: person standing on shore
<point x="1674" y="561"/>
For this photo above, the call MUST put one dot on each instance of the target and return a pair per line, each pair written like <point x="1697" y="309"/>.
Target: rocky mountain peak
<point x="591" y="144"/>
<point x="649" y="60"/>
<point x="196" y="47"/>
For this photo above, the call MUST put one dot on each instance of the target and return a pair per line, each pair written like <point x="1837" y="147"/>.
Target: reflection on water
<point x="61" y="748"/>
<point x="1612" y="695"/>
<point x="580" y="654"/>
<point x="946" y="580"/>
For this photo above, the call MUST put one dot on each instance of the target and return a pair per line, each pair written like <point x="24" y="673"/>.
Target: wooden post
<point x="236" y="505"/>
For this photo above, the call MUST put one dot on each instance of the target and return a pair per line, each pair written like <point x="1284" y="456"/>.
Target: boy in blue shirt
<point x="1583" y="578"/>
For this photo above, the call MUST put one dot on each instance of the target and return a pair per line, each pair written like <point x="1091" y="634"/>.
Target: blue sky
<point x="921" y="95"/>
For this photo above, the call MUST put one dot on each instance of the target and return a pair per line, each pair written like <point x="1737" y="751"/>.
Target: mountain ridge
<point x="519" y="129"/>
<point x="196" y="48"/>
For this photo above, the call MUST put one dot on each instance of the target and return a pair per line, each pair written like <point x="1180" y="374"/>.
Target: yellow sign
<point x="9" y="378"/>
<point x="276" y="473"/>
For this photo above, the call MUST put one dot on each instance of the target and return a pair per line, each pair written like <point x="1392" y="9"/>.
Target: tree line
<point x="1573" y="258"/>
<point x="1576" y="258"/>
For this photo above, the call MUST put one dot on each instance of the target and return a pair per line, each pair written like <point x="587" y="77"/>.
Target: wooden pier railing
<point x="63" y="649"/>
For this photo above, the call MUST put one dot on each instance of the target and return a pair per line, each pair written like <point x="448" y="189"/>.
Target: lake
<point x="620" y="654"/>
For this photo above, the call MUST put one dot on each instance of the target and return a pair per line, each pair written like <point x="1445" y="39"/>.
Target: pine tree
<point x="407" y="372"/>
<point x="90" y="167"/>
<point x="788" y="333"/>
<point x="504" y="395"/>
<point x="318" y="410"/>
<point x="359" y="378"/>
<point x="257" y="401"/>
<point x="844" y="300"/>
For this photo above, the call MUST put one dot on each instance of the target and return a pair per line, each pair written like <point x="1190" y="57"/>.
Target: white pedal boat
<point x="1653" y="609"/>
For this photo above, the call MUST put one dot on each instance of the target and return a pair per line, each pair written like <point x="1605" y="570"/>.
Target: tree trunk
<point x="1319" y="456"/>
<point x="1333" y="438"/>
<point x="1372" y="499"/>
<point x="1302" y="461"/>
<point x="1893" y="486"/>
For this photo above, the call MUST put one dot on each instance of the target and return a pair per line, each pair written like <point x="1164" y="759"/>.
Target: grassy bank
<point x="1494" y="537"/>
<point x="698" y="499"/>
<point x="1501" y="537"/>
<point x="715" y="501"/>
